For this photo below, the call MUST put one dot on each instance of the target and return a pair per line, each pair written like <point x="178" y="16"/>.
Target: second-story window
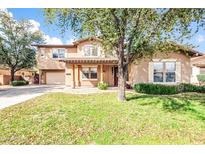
<point x="58" y="53"/>
<point x="90" y="50"/>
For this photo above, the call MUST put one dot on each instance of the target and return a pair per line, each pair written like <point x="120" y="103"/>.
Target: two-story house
<point x="85" y="63"/>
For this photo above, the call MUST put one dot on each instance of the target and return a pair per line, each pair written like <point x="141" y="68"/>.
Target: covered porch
<point x="88" y="72"/>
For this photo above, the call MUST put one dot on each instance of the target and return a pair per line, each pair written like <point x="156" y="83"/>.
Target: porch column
<point x="40" y="77"/>
<point x="78" y="82"/>
<point x="101" y="73"/>
<point x="73" y="76"/>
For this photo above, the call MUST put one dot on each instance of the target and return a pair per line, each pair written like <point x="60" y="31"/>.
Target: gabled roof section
<point x="186" y="50"/>
<point x="86" y="39"/>
<point x="74" y="44"/>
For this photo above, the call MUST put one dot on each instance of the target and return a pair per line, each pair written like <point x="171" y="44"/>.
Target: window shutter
<point x="150" y="72"/>
<point x="178" y="72"/>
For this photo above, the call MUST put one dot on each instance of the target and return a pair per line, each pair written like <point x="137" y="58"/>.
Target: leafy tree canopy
<point x="143" y="30"/>
<point x="16" y="39"/>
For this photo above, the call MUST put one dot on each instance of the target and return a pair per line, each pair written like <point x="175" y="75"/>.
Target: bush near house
<point x="201" y="78"/>
<point x="102" y="85"/>
<point x="186" y="87"/>
<point x="161" y="89"/>
<point x="155" y="89"/>
<point x="19" y="83"/>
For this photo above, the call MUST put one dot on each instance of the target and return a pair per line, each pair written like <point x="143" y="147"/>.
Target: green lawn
<point x="59" y="118"/>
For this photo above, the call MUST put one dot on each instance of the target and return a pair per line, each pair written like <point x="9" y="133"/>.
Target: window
<point x="93" y="73"/>
<point x="164" y="71"/>
<point x="158" y="72"/>
<point x="90" y="50"/>
<point x="59" y="53"/>
<point x="85" y="72"/>
<point x="89" y="73"/>
<point x="170" y="71"/>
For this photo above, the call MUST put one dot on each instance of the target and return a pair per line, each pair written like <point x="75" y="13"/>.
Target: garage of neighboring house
<point x="55" y="77"/>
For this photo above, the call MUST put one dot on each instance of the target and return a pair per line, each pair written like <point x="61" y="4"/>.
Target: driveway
<point x="14" y="95"/>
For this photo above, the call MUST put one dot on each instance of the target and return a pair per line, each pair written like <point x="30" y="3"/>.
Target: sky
<point x="52" y="32"/>
<point x="53" y="36"/>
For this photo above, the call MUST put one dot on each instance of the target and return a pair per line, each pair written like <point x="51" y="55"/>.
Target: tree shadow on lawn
<point x="199" y="97"/>
<point x="173" y="103"/>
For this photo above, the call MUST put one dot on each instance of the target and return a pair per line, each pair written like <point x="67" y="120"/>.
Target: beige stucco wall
<point x="5" y="76"/>
<point x="139" y="72"/>
<point x="21" y="72"/>
<point x="45" y="60"/>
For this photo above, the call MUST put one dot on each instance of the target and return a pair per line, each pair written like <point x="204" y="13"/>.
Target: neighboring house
<point x="84" y="63"/>
<point x="198" y="67"/>
<point x="5" y="76"/>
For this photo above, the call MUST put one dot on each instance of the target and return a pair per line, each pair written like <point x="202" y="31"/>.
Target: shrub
<point x="156" y="88"/>
<point x="201" y="78"/>
<point x="167" y="89"/>
<point x="202" y="89"/>
<point x="102" y="86"/>
<point x="19" y="83"/>
<point x="187" y="87"/>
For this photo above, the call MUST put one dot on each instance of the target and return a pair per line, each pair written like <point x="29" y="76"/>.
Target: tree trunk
<point x="121" y="73"/>
<point x="121" y="84"/>
<point x="12" y="74"/>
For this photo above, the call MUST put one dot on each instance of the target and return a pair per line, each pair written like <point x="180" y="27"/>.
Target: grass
<point x="59" y="118"/>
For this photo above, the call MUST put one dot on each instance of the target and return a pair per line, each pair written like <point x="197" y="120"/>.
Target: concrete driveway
<point x="14" y="95"/>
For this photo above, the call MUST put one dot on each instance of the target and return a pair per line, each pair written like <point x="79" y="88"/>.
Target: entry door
<point x="115" y="76"/>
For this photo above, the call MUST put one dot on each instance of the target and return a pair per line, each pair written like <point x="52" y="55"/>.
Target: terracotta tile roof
<point x="80" y="60"/>
<point x="55" y="45"/>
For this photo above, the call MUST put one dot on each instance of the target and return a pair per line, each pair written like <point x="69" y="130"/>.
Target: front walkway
<point x="13" y="95"/>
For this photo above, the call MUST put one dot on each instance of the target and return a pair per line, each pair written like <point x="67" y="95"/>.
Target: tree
<point x="16" y="38"/>
<point x="132" y="33"/>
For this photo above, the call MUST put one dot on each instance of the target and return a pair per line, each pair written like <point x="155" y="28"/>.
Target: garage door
<point x="55" y="77"/>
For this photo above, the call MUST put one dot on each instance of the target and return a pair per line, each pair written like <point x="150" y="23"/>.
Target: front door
<point x="115" y="76"/>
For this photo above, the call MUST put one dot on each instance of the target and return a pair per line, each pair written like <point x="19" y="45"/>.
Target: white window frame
<point x="164" y="71"/>
<point x="89" y="72"/>
<point x="91" y="55"/>
<point x="58" y="50"/>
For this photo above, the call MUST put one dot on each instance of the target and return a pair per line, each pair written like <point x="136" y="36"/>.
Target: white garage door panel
<point x="55" y="77"/>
